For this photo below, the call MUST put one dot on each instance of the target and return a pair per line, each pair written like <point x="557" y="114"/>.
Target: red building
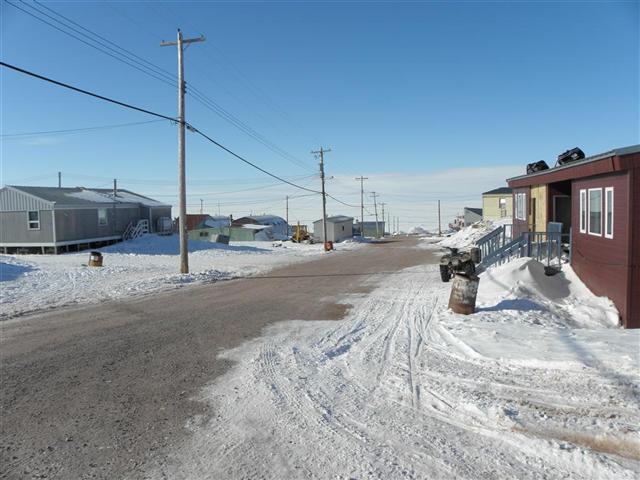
<point x="597" y="199"/>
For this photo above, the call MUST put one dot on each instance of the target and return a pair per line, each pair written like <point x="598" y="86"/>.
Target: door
<point x="562" y="211"/>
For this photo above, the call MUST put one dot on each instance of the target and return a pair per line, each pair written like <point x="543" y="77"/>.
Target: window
<point x="102" y="216"/>
<point x="608" y="212"/>
<point x="595" y="211"/>
<point x="521" y="209"/>
<point x="34" y="220"/>
<point x="583" y="211"/>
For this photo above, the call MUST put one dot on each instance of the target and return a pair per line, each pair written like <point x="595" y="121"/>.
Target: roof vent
<point x="570" y="156"/>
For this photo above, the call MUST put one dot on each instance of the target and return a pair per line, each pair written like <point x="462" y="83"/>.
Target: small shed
<point x="597" y="200"/>
<point x="339" y="228"/>
<point x="497" y="204"/>
<point x="472" y="215"/>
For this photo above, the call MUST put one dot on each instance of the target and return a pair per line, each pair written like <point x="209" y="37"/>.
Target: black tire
<point x="445" y="275"/>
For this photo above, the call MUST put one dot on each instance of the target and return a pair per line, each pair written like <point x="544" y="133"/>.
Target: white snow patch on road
<point x="404" y="388"/>
<point x="147" y="264"/>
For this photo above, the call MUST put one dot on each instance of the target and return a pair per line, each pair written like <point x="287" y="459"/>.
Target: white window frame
<point x="29" y="221"/>
<point x="106" y="217"/>
<point x="521" y="204"/>
<point x="589" y="211"/>
<point x="608" y="234"/>
<point x="583" y="211"/>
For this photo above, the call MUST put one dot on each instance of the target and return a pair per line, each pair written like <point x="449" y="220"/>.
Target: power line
<point x="87" y="40"/>
<point x="159" y="115"/>
<point x="86" y="92"/>
<point x="152" y="70"/>
<point x="77" y="130"/>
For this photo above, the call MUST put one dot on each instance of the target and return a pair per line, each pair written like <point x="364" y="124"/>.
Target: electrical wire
<point x="86" y="42"/>
<point x="76" y="130"/>
<point x="187" y="125"/>
<point x="86" y="92"/>
<point x="152" y="70"/>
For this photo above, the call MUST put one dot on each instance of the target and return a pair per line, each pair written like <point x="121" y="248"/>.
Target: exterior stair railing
<point x="135" y="230"/>
<point x="547" y="247"/>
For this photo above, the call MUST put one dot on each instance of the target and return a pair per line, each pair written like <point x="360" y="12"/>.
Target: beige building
<point x="497" y="204"/>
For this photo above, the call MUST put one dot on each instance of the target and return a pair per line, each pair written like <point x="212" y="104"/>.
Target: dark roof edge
<point x="617" y="152"/>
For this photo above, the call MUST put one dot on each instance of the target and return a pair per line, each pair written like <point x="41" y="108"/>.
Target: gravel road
<point x="104" y="391"/>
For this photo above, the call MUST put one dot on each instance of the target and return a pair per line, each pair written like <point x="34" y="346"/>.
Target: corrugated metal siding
<point x="15" y="201"/>
<point x="14" y="228"/>
<point x="602" y="263"/>
<point x="78" y="224"/>
<point x="156" y="213"/>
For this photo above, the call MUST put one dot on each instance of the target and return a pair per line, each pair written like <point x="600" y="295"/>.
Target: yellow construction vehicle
<point x="300" y="233"/>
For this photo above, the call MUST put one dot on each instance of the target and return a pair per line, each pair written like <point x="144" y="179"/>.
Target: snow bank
<point x="144" y="265"/>
<point x="468" y="236"/>
<point x="522" y="283"/>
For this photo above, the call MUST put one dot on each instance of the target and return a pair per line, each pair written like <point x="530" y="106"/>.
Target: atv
<point x="457" y="262"/>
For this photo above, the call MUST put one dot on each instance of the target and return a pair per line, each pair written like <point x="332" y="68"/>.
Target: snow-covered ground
<point x="536" y="384"/>
<point x="147" y="264"/>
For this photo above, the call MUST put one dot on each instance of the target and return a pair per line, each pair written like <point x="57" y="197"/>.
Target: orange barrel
<point x="95" y="259"/>
<point x="464" y="291"/>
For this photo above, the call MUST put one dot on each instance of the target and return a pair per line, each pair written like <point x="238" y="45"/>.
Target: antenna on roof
<point x="59" y="179"/>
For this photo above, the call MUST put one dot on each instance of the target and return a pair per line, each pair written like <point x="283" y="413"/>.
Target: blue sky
<point x="401" y="91"/>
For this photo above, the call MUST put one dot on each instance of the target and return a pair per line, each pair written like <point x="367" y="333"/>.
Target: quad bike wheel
<point x="445" y="274"/>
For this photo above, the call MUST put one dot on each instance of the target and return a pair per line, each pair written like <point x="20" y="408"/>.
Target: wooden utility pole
<point x="375" y="210"/>
<point x="182" y="190"/>
<point x="439" y="226"/>
<point x="321" y="152"/>
<point x="59" y="179"/>
<point x="287" y="217"/>
<point x="201" y="205"/>
<point x="362" y="179"/>
<point x="382" y="204"/>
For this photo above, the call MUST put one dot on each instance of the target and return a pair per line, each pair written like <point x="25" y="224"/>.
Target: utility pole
<point x="362" y="179"/>
<point x="287" y="217"/>
<point x="321" y="152"/>
<point x="59" y="179"/>
<point x="382" y="204"/>
<point x="218" y="207"/>
<point x="375" y="210"/>
<point x="201" y="205"/>
<point x="439" y="226"/>
<point x="182" y="194"/>
<point x="115" y="188"/>
<point x="389" y="222"/>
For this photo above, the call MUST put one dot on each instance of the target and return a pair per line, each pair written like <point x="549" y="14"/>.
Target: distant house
<point x="259" y="227"/>
<point x="197" y="221"/>
<point x="597" y="200"/>
<point x="472" y="215"/>
<point x="497" y="204"/>
<point x="371" y="229"/>
<point x="50" y="219"/>
<point x="339" y="228"/>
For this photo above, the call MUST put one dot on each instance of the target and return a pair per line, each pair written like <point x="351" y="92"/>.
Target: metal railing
<point x="549" y="248"/>
<point x="494" y="240"/>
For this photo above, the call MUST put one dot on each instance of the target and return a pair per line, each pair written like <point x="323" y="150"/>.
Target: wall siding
<point x="491" y="206"/>
<point x="78" y="224"/>
<point x="13" y="201"/>
<point x="632" y="319"/>
<point x="538" y="220"/>
<point x="14" y="228"/>
<point x="602" y="263"/>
